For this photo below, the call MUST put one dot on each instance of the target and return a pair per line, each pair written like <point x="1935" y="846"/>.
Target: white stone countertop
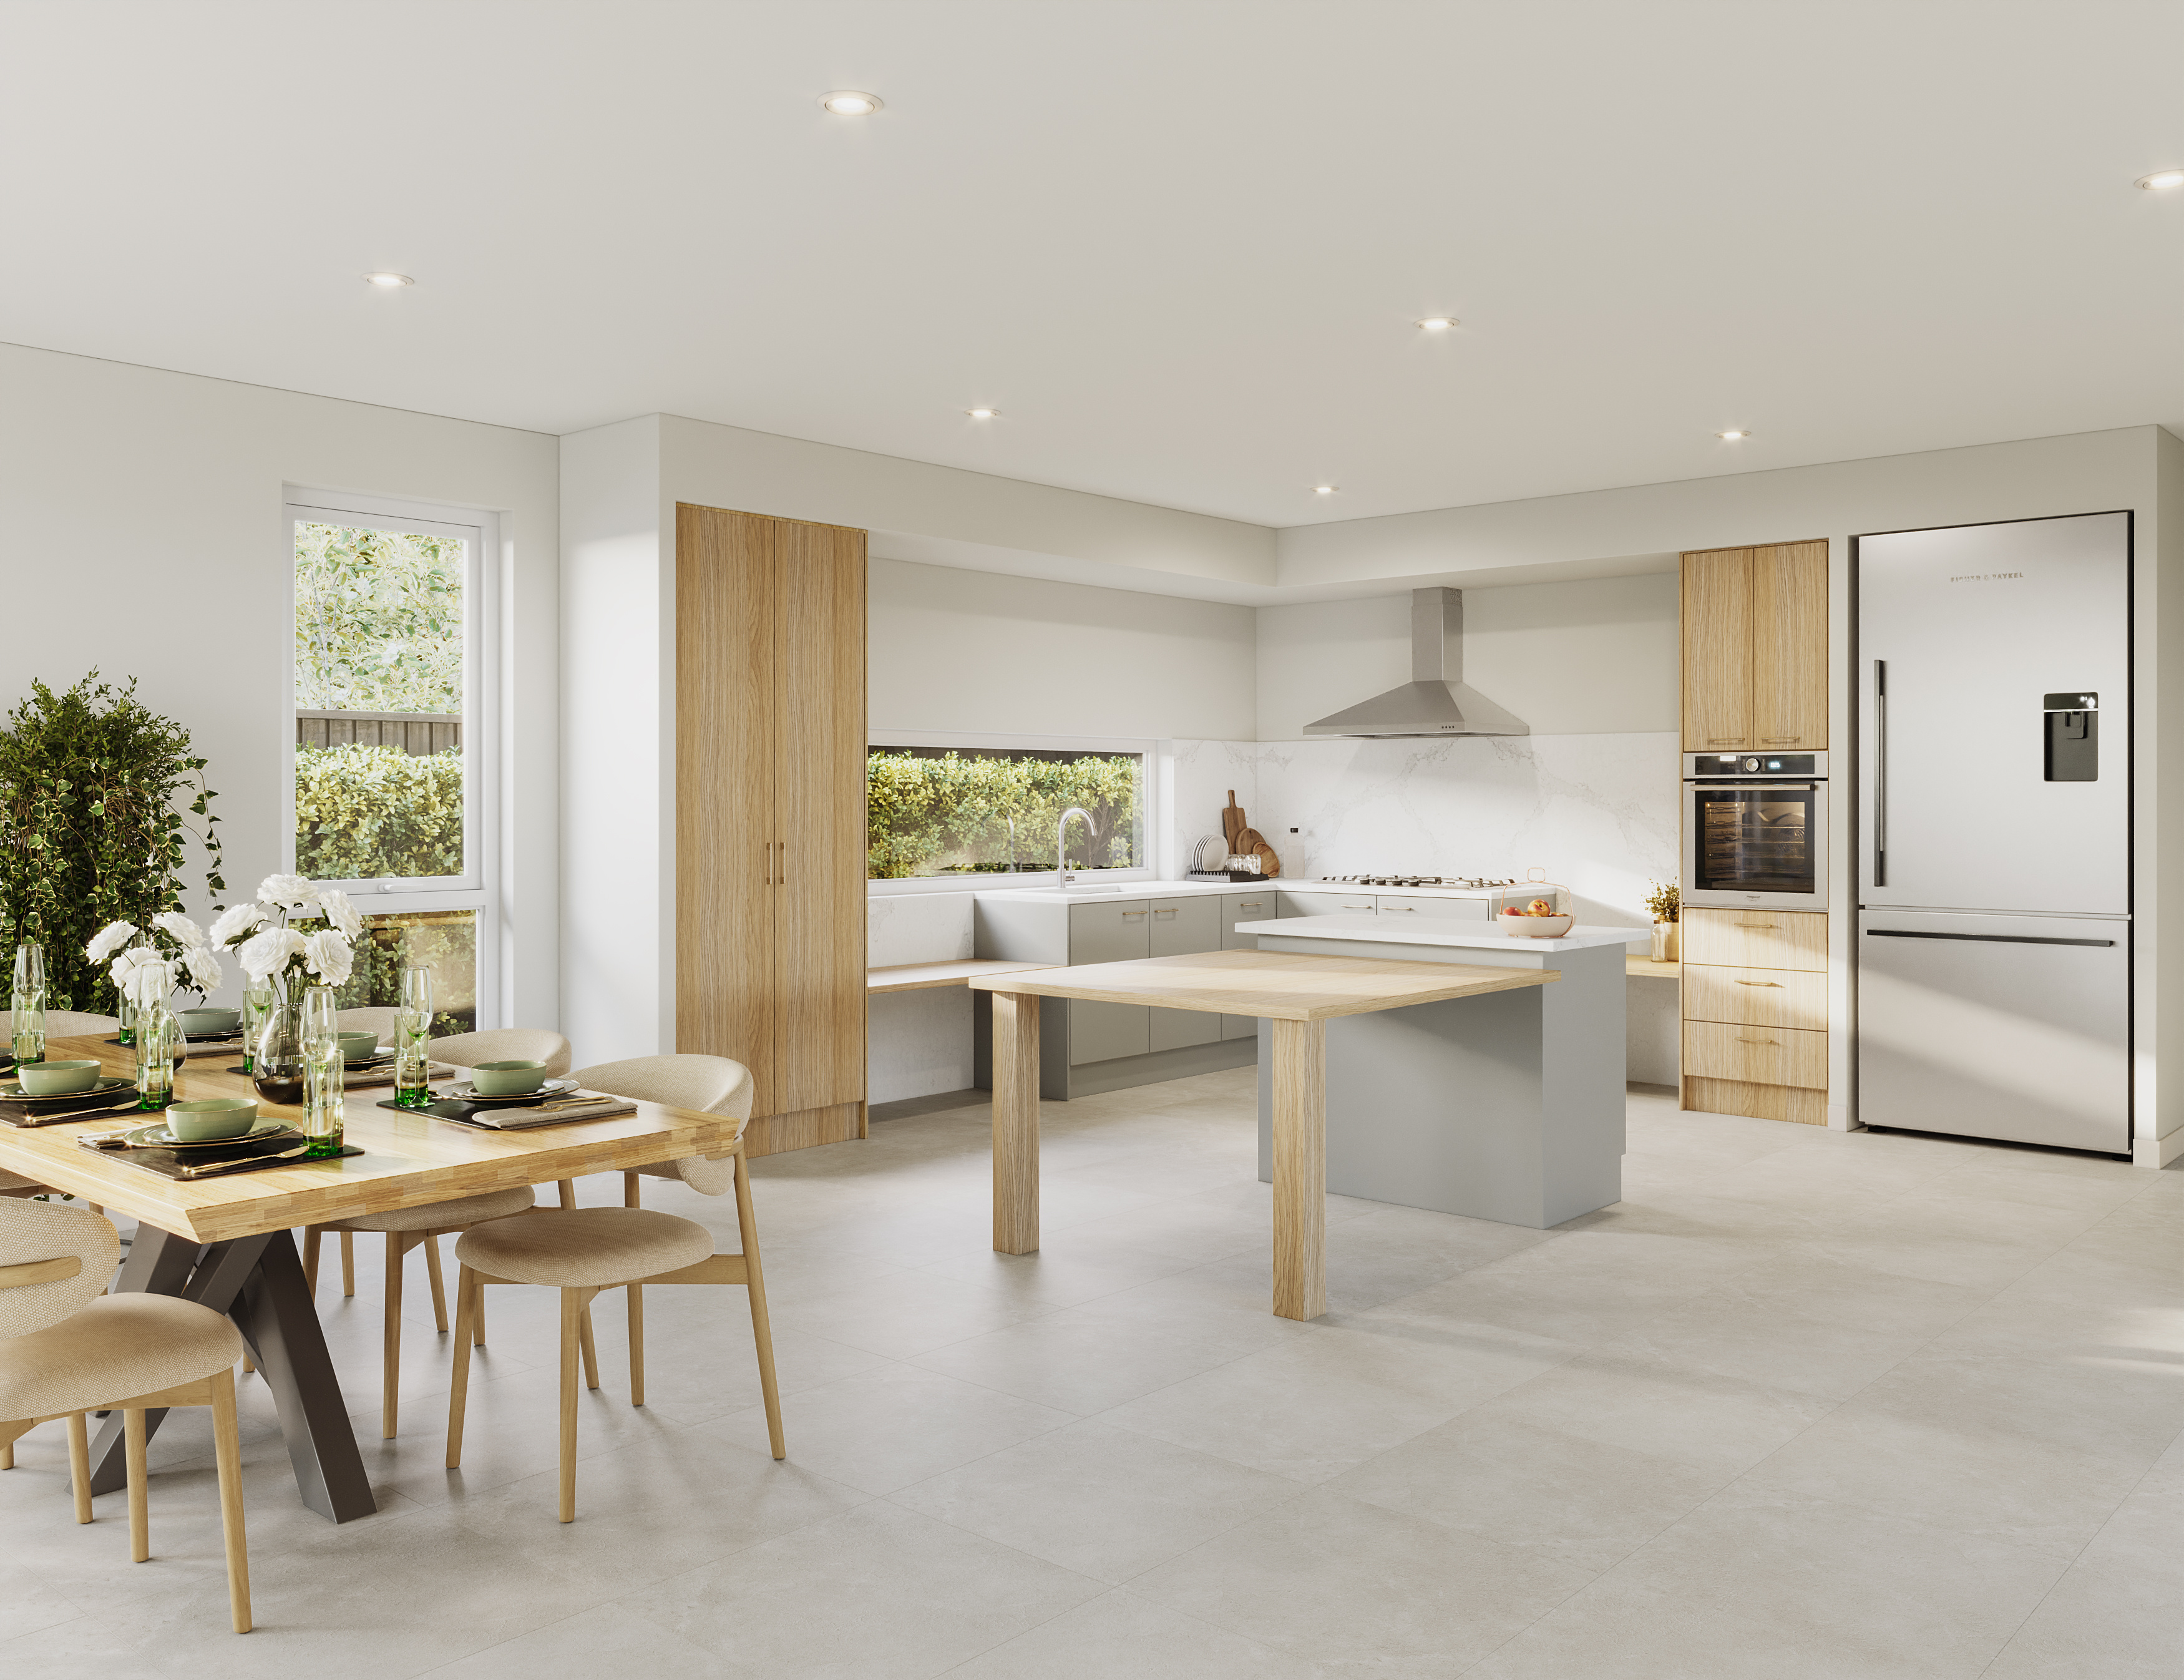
<point x="1135" y="890"/>
<point x="1436" y="932"/>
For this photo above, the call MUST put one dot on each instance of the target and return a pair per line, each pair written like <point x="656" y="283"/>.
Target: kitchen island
<point x="1505" y="1107"/>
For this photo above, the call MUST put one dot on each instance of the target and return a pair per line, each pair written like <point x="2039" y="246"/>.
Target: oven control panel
<point x="1729" y="766"/>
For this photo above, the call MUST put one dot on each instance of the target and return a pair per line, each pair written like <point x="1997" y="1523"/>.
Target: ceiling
<point x="1179" y="244"/>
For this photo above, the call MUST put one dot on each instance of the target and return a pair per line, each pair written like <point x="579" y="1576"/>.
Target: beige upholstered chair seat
<point x="117" y="1346"/>
<point x="584" y="1247"/>
<point x="65" y="1024"/>
<point x="494" y="1204"/>
<point x="373" y="1017"/>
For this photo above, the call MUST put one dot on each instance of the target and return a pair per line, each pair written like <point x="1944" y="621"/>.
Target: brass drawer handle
<point x="1782" y="740"/>
<point x="1722" y="740"/>
<point x="1157" y="914"/>
<point x="1358" y="906"/>
<point x="1251" y="904"/>
<point x="1127" y="914"/>
<point x="1755" y="926"/>
<point x="1756" y="1041"/>
<point x="1402" y="909"/>
<point x="1777" y="985"/>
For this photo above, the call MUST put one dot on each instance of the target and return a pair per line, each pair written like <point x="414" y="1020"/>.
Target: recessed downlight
<point x="1735" y="435"/>
<point x="388" y="280"/>
<point x="2162" y="180"/>
<point x="983" y="413"/>
<point x="1438" y="323"/>
<point x="848" y="103"/>
<point x="1325" y="489"/>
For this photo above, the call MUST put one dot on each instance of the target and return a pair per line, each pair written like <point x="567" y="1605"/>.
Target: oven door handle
<point x="1755" y="787"/>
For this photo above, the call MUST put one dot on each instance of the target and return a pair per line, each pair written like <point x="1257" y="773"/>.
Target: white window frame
<point x="1148" y="806"/>
<point x="478" y="887"/>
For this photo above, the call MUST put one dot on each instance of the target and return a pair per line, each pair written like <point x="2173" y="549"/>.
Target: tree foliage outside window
<point x="99" y="798"/>
<point x="443" y="941"/>
<point x="379" y="620"/>
<point x="365" y="813"/>
<point x="946" y="811"/>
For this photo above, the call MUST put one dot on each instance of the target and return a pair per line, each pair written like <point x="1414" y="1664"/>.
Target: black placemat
<point x="449" y="1108"/>
<point x="201" y="1163"/>
<point x="62" y="1110"/>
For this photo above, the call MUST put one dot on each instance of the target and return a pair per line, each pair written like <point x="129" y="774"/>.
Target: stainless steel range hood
<point x="1436" y="701"/>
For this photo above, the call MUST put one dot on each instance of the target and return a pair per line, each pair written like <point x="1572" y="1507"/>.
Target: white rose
<point x="180" y="929"/>
<point x="203" y="962"/>
<point x="127" y="964"/>
<point x="334" y="904"/>
<point x="292" y="890"/>
<point x="109" y="939"/>
<point x="269" y="953"/>
<point x="326" y="954"/>
<point x="149" y="983"/>
<point x="234" y="922"/>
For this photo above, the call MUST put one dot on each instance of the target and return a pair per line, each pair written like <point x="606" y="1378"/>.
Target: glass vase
<point x="413" y="1028"/>
<point x="257" y="1006"/>
<point x="26" y="1003"/>
<point x="277" y="1056"/>
<point x="158" y="1032"/>
<point x="322" y="1072"/>
<point x="1660" y="942"/>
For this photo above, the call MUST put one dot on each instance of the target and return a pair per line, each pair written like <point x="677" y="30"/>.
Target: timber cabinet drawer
<point x="1755" y="1055"/>
<point x="1757" y="998"/>
<point x="1757" y="939"/>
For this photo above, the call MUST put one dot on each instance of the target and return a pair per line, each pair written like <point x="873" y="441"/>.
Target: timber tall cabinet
<point x="770" y="748"/>
<point x="1755" y="982"/>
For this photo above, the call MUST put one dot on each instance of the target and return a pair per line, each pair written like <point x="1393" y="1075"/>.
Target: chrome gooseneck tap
<point x="1061" y="829"/>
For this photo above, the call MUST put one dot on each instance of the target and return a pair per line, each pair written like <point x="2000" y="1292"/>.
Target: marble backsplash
<point x="1597" y="812"/>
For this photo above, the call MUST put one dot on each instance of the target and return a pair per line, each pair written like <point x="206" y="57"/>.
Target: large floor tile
<point x="1078" y="1364"/>
<point x="1363" y="1589"/>
<point x="1123" y="1635"/>
<point x="878" y="1593"/>
<point x="1104" y="1502"/>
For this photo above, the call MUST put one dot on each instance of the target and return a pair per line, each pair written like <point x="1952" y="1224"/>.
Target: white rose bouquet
<point x="293" y="927"/>
<point x="176" y="954"/>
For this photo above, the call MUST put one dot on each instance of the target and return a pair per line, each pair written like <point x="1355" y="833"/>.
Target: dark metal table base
<point x="259" y="1282"/>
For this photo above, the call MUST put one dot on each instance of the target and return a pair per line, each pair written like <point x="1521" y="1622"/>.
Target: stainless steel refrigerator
<point x="1994" y="831"/>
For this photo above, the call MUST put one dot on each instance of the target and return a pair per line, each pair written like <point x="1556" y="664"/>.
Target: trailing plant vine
<point x="99" y="796"/>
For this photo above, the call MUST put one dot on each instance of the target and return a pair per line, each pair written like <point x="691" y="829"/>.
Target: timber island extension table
<point x="224" y="1241"/>
<point x="1297" y="994"/>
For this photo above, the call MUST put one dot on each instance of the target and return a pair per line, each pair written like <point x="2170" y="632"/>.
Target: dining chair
<point x="512" y="1044"/>
<point x="66" y="1349"/>
<point x="372" y="1018"/>
<point x="581" y="1251"/>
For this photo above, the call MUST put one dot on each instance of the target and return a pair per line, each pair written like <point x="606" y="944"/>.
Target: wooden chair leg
<point x="629" y="1191"/>
<point x="247" y="1367"/>
<point x="390" y="1365"/>
<point x="432" y="1271"/>
<point x="311" y="1234"/>
<point x="590" y="1348"/>
<point x="6" y="1455"/>
<point x="348" y="1263"/>
<point x="140" y="1524"/>
<point x="468" y="1293"/>
<point x="754" y="1287"/>
<point x="572" y="1321"/>
<point x="227" y="1449"/>
<point x="80" y="1465"/>
<point x="477" y="1319"/>
<point x="637" y="1344"/>
<point x="568" y="1189"/>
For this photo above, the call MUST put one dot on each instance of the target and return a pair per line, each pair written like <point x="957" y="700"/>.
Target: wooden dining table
<point x="225" y="1241"/>
<point x="1297" y="995"/>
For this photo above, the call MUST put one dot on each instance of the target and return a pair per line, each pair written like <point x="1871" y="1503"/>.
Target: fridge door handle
<point x="1881" y="773"/>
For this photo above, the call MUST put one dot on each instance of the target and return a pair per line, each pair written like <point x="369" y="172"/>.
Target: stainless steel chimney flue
<point x="1436" y="701"/>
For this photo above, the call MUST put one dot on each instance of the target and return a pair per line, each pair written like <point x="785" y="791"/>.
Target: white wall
<point x="971" y="650"/>
<point x="141" y="532"/>
<point x="1594" y="656"/>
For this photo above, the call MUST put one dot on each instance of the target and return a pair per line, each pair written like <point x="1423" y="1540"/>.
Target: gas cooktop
<point x="1474" y="882"/>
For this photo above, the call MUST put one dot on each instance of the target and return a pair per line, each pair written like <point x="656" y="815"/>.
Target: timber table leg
<point x="1300" y="1127"/>
<point x="1016" y="1122"/>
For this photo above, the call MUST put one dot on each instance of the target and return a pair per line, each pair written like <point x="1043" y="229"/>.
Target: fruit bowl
<point x="1519" y="925"/>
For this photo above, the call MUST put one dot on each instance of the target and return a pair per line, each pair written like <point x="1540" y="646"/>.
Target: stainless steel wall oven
<point x="1756" y="830"/>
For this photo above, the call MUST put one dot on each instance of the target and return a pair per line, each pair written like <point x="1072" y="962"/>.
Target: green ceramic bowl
<point x="56" y="1079"/>
<point x="358" y="1046"/>
<point x="207" y="1022"/>
<point x="507" y="1078"/>
<point x="212" y="1119"/>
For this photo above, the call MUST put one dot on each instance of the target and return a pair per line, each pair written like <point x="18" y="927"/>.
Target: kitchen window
<point x="391" y="739"/>
<point x="978" y="811"/>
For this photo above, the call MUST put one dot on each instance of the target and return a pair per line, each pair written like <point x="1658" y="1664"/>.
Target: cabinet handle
<point x="1777" y="985"/>
<point x="1755" y="926"/>
<point x="1755" y="1040"/>
<point x="1157" y="914"/>
<point x="1127" y="914"/>
<point x="1782" y="740"/>
<point x="1399" y="910"/>
<point x="1724" y="741"/>
<point x="1251" y="904"/>
<point x="769" y="863"/>
<point x="781" y="865"/>
<point x="1359" y="907"/>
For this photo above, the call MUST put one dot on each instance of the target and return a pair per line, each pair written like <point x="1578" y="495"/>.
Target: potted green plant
<point x="1667" y="904"/>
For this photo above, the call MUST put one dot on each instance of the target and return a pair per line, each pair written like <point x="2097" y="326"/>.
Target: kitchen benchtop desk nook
<point x="224" y="1241"/>
<point x="1295" y="997"/>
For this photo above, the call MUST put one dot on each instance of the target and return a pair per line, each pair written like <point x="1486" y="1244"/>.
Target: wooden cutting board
<point x="1251" y="843"/>
<point x="1232" y="822"/>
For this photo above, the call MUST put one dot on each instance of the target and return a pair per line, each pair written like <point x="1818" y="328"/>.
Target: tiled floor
<point x="1805" y="1404"/>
